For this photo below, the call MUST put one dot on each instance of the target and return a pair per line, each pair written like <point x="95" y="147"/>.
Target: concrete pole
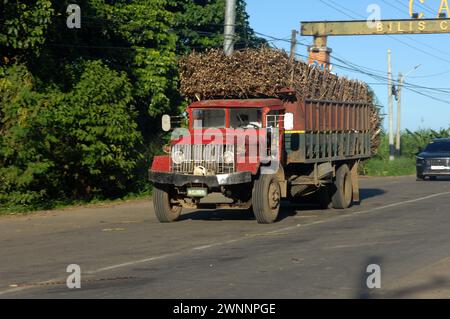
<point x="230" y="27"/>
<point x="292" y="54"/>
<point x="399" y="115"/>
<point x="391" y="109"/>
<point x="293" y="45"/>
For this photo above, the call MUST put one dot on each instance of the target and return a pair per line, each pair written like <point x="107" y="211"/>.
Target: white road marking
<point x="150" y="259"/>
<point x="131" y="263"/>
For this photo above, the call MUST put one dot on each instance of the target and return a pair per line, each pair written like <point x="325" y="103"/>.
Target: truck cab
<point x="222" y="150"/>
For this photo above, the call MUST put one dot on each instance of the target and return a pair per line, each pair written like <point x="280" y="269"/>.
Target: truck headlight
<point x="228" y="157"/>
<point x="178" y="157"/>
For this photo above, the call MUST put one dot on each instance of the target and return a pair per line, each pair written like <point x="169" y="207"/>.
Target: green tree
<point x="73" y="145"/>
<point x="23" y="27"/>
<point x="77" y="105"/>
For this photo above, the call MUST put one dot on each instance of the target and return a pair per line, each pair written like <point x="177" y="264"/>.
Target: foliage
<point x="23" y="26"/>
<point x="78" y="106"/>
<point x="414" y="142"/>
<point x="73" y="145"/>
<point x="380" y="167"/>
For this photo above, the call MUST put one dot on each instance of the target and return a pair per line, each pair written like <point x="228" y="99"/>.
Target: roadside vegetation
<point x="412" y="143"/>
<point x="78" y="107"/>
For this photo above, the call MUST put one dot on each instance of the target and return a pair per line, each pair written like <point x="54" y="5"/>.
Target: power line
<point x="393" y="6"/>
<point x="422" y="5"/>
<point x="337" y="9"/>
<point x="393" y="38"/>
<point x="349" y="66"/>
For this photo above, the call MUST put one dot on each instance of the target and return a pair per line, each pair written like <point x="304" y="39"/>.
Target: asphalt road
<point x="401" y="225"/>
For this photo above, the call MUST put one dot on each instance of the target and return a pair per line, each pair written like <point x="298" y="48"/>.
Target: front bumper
<point x="425" y="169"/>
<point x="213" y="181"/>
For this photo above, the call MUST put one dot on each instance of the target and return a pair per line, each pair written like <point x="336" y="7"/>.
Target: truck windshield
<point x="438" y="147"/>
<point x="245" y="118"/>
<point x="213" y="118"/>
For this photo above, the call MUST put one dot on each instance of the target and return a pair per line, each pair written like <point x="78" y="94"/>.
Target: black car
<point x="434" y="160"/>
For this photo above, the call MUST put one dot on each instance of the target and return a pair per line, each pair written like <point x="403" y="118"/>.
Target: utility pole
<point x="293" y="44"/>
<point x="230" y="27"/>
<point x="292" y="55"/>
<point x="399" y="114"/>
<point x="391" y="109"/>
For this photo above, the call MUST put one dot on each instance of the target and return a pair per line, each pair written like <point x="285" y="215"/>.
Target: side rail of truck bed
<point x="329" y="131"/>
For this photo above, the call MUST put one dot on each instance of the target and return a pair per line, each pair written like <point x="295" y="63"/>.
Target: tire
<point x="164" y="210"/>
<point x="343" y="188"/>
<point x="420" y="178"/>
<point x="266" y="199"/>
<point x="433" y="178"/>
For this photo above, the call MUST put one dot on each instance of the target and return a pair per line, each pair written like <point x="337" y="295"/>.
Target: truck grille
<point x="210" y="156"/>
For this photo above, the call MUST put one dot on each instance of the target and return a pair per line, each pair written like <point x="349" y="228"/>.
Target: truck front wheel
<point x="165" y="210"/>
<point x="266" y="199"/>
<point x="343" y="188"/>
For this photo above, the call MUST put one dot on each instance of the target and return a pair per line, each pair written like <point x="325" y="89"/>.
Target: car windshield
<point x="438" y="147"/>
<point x="209" y="118"/>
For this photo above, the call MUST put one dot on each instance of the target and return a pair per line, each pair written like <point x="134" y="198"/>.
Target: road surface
<point x="123" y="252"/>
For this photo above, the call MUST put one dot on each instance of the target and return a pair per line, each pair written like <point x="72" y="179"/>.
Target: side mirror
<point x="166" y="123"/>
<point x="289" y="121"/>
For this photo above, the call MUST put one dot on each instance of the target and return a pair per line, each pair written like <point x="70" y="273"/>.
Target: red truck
<point x="256" y="152"/>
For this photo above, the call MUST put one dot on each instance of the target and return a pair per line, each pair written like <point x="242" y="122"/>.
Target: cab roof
<point x="237" y="103"/>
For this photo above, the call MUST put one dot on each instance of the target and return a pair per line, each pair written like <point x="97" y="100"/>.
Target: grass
<point x="22" y="210"/>
<point x="383" y="167"/>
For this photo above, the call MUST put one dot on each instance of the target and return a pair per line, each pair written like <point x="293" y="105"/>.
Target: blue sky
<point x="278" y="17"/>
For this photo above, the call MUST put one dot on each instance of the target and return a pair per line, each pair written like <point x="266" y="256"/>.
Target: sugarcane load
<point x="261" y="128"/>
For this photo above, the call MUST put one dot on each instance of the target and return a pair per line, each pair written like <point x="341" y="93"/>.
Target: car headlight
<point x="228" y="157"/>
<point x="178" y="157"/>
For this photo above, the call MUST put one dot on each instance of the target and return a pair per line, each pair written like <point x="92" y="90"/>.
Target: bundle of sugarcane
<point x="261" y="73"/>
<point x="375" y="129"/>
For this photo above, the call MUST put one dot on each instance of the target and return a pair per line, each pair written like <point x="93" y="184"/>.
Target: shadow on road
<point x="366" y="193"/>
<point x="434" y="284"/>
<point x="220" y="214"/>
<point x="439" y="179"/>
<point x="288" y="209"/>
<point x="364" y="291"/>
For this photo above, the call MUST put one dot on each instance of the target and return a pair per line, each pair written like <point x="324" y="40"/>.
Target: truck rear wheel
<point x="266" y="199"/>
<point x="165" y="210"/>
<point x="343" y="188"/>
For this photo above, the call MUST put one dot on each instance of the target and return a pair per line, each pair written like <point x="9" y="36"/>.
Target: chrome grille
<point x="210" y="156"/>
<point x="439" y="162"/>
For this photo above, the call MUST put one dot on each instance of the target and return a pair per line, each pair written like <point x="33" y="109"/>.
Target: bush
<point x="64" y="146"/>
<point x="381" y="167"/>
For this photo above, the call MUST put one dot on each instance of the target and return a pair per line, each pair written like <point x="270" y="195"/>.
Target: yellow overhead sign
<point x="443" y="8"/>
<point x="414" y="26"/>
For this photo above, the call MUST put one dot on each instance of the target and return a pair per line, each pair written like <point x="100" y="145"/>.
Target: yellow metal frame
<point x="383" y="27"/>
